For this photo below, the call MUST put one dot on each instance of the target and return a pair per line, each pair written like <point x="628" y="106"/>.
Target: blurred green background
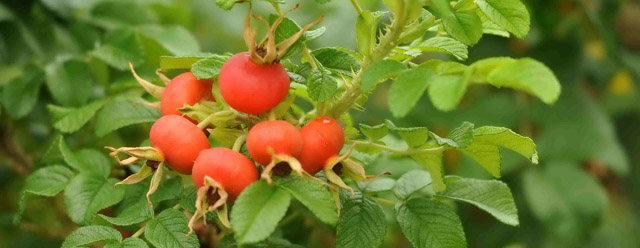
<point x="584" y="193"/>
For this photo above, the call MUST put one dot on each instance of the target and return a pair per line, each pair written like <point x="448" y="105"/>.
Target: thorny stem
<point x="398" y="151"/>
<point x="388" y="42"/>
<point x="239" y="141"/>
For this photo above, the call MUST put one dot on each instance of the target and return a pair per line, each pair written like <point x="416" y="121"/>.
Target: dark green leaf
<point x="257" y="211"/>
<point x="313" y="195"/>
<point x="48" y="181"/>
<point x="462" y="135"/>
<point x="379" y="71"/>
<point x="209" y="67"/>
<point x="21" y="94"/>
<point x="74" y="118"/>
<point x="69" y="81"/>
<point x="432" y="162"/>
<point x="88" y="235"/>
<point x="377" y="185"/>
<point x="411" y="182"/>
<point x="428" y="223"/>
<point x="407" y="90"/>
<point x="490" y="195"/>
<point x="321" y="86"/>
<point x="87" y="194"/>
<point x="169" y="229"/>
<point x="180" y="62"/>
<point x="362" y="223"/>
<point x="337" y="58"/>
<point x="121" y="112"/>
<point x="131" y="242"/>
<point x="93" y="161"/>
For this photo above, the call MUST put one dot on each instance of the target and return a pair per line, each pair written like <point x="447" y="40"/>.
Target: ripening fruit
<point x="322" y="138"/>
<point x="179" y="141"/>
<point x="281" y="136"/>
<point x="250" y="87"/>
<point x="232" y="170"/>
<point x="184" y="89"/>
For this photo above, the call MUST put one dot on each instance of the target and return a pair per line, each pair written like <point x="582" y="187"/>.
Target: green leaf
<point x="462" y="135"/>
<point x="482" y="68"/>
<point x="446" y="91"/>
<point x="511" y="15"/>
<point x="180" y="62"/>
<point x="169" y="229"/>
<point x="69" y="81"/>
<point x="133" y="208"/>
<point x="92" y="161"/>
<point x="131" y="242"/>
<point x="492" y="196"/>
<point x="87" y="194"/>
<point x="445" y="45"/>
<point x="379" y="184"/>
<point x="121" y="112"/>
<point x="464" y="26"/>
<point x="337" y="58"/>
<point x="432" y="162"/>
<point x="366" y="26"/>
<point x="111" y="14"/>
<point x="286" y="29"/>
<point x="48" y="181"/>
<point x="175" y="39"/>
<point x="379" y="71"/>
<point x="313" y="195"/>
<point x="411" y="182"/>
<point x="115" y="57"/>
<point x="209" y="67"/>
<point x="74" y="119"/>
<point x="407" y="90"/>
<point x="257" y="211"/>
<point x="226" y="4"/>
<point x="504" y="137"/>
<point x="321" y="86"/>
<point x="487" y="155"/>
<point x="362" y="223"/>
<point x="528" y="75"/>
<point x="428" y="223"/>
<point x="567" y="200"/>
<point x="21" y="94"/>
<point x="413" y="136"/>
<point x="374" y="133"/>
<point x="88" y="235"/>
<point x="489" y="27"/>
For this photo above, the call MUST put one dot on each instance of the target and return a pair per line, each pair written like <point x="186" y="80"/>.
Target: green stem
<point x="277" y="8"/>
<point x="387" y="43"/>
<point x="385" y="201"/>
<point x="239" y="141"/>
<point x="306" y="54"/>
<point x="398" y="151"/>
<point x="139" y="232"/>
<point x="356" y="6"/>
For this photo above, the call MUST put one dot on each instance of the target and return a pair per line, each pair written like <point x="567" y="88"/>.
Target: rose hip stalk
<point x="174" y="140"/>
<point x="254" y="82"/>
<point x="322" y="140"/>
<point x="220" y="174"/>
<point x="275" y="145"/>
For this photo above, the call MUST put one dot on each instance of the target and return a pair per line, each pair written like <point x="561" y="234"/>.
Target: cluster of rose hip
<point x="252" y="84"/>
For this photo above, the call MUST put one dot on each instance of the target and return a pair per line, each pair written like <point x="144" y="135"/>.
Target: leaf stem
<point x="306" y="54"/>
<point x="385" y="201"/>
<point x="239" y="141"/>
<point x="356" y="6"/>
<point x="139" y="232"/>
<point x="398" y="151"/>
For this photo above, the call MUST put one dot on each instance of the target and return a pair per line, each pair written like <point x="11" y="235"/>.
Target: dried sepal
<point x="210" y="197"/>
<point x="155" y="182"/>
<point x="144" y="172"/>
<point x="152" y="89"/>
<point x="162" y="77"/>
<point x="284" y="45"/>
<point x="347" y="167"/>
<point x="155" y="105"/>
<point x="290" y="161"/>
<point x="136" y="154"/>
